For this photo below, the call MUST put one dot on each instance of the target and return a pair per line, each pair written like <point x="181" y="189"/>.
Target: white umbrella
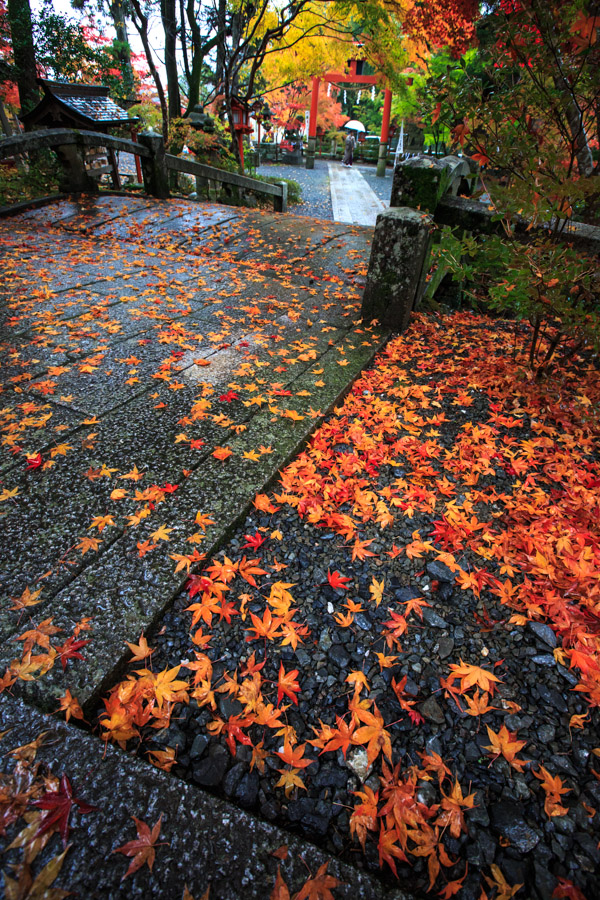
<point x="355" y="125"/>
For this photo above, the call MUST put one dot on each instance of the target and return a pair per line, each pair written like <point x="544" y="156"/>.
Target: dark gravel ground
<point x="379" y="453"/>
<point x="316" y="198"/>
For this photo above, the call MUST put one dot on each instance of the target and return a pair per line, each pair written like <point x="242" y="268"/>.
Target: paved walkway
<point x="352" y="199"/>
<point x="159" y="363"/>
<point x="120" y="314"/>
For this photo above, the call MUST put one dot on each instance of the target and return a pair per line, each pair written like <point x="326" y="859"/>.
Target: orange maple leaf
<point x="504" y="744"/>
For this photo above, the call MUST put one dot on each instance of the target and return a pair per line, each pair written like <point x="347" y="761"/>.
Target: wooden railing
<point x="69" y="146"/>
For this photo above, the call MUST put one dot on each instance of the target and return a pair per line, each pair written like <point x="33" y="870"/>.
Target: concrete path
<point x="159" y="361"/>
<point x="352" y="199"/>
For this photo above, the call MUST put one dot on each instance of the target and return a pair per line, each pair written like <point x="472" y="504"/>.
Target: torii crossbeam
<point x="352" y="77"/>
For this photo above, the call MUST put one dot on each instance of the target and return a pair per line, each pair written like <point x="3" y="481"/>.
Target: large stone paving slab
<point x="141" y="337"/>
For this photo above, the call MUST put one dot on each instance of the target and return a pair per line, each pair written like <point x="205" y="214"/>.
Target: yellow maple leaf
<point x="161" y="534"/>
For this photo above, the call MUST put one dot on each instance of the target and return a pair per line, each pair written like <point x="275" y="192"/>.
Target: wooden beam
<point x="339" y="77"/>
<point x="194" y="168"/>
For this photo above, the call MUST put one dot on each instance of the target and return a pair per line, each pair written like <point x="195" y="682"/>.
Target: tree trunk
<point x="21" y="30"/>
<point x="169" y="19"/>
<point x="141" y="23"/>
<point x="117" y="13"/>
<point x="581" y="147"/>
<point x="222" y="45"/>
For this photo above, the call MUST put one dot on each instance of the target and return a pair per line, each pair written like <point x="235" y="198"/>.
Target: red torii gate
<point x="353" y="77"/>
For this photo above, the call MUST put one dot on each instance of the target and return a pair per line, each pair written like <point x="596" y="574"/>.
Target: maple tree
<point x="526" y="111"/>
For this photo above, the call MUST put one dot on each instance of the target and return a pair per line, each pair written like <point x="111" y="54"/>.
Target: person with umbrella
<point x="350" y="143"/>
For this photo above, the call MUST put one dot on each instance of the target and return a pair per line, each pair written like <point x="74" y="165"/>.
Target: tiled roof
<point x="101" y="109"/>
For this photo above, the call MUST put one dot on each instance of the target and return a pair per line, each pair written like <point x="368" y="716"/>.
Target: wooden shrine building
<point x="86" y="107"/>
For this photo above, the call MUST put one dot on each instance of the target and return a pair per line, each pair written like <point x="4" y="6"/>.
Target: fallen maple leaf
<point x="287" y="684"/>
<point x="319" y="887"/>
<point x="222" y="453"/>
<point x="504" y="744"/>
<point x="27" y="598"/>
<point x="337" y="580"/>
<point x="280" y="889"/>
<point x="57" y="806"/>
<point x="140" y="651"/>
<point x="70" y="706"/>
<point x="142" y="849"/>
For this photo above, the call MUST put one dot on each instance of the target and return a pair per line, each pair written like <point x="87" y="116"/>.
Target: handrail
<point x="60" y="137"/>
<point x="156" y="163"/>
<point x="189" y="167"/>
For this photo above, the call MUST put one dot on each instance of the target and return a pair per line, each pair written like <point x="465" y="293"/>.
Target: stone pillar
<point x="156" y="174"/>
<point x="423" y="180"/>
<point x="398" y="266"/>
<point x="311" y="146"/>
<point x="382" y="160"/>
<point x="75" y="176"/>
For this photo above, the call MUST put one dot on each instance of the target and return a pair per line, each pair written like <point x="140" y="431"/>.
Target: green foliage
<point x="35" y="179"/>
<point x="539" y="281"/>
<point x="149" y="115"/>
<point x="294" y="188"/>
<point x="212" y="148"/>
<point x="67" y="50"/>
<point x="523" y="108"/>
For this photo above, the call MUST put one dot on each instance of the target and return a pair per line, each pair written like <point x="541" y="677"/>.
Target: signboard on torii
<point x="353" y="76"/>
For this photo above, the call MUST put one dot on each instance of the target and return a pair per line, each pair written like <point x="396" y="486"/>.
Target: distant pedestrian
<point x="349" y="154"/>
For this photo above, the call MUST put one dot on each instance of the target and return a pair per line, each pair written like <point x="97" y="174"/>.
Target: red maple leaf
<point x="253" y="540"/>
<point x="143" y="848"/>
<point x="70" y="650"/>
<point x="57" y="806"/>
<point x="34" y="462"/>
<point x="337" y="580"/>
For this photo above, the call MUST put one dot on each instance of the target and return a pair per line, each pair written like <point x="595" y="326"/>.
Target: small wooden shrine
<point x="83" y="106"/>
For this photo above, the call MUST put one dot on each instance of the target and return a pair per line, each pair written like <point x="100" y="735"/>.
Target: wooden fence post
<point x="156" y="174"/>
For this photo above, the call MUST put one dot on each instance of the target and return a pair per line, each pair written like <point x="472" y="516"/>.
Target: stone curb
<point x="209" y="842"/>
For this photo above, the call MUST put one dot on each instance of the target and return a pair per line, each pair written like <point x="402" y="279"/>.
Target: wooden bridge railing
<point x="69" y="146"/>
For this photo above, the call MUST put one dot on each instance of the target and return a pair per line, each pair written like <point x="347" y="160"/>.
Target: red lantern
<point x="241" y="123"/>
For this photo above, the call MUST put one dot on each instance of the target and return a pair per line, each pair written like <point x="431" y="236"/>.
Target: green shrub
<point x="37" y="177"/>
<point x="294" y="188"/>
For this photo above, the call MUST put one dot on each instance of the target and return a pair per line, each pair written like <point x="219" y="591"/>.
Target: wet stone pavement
<point x="159" y="362"/>
<point x="126" y="324"/>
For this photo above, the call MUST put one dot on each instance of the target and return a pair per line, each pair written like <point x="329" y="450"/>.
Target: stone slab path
<point x="145" y="334"/>
<point x="352" y="199"/>
<point x="159" y="363"/>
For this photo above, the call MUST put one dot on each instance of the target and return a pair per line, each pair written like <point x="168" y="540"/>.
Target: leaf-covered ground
<point x="399" y="654"/>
